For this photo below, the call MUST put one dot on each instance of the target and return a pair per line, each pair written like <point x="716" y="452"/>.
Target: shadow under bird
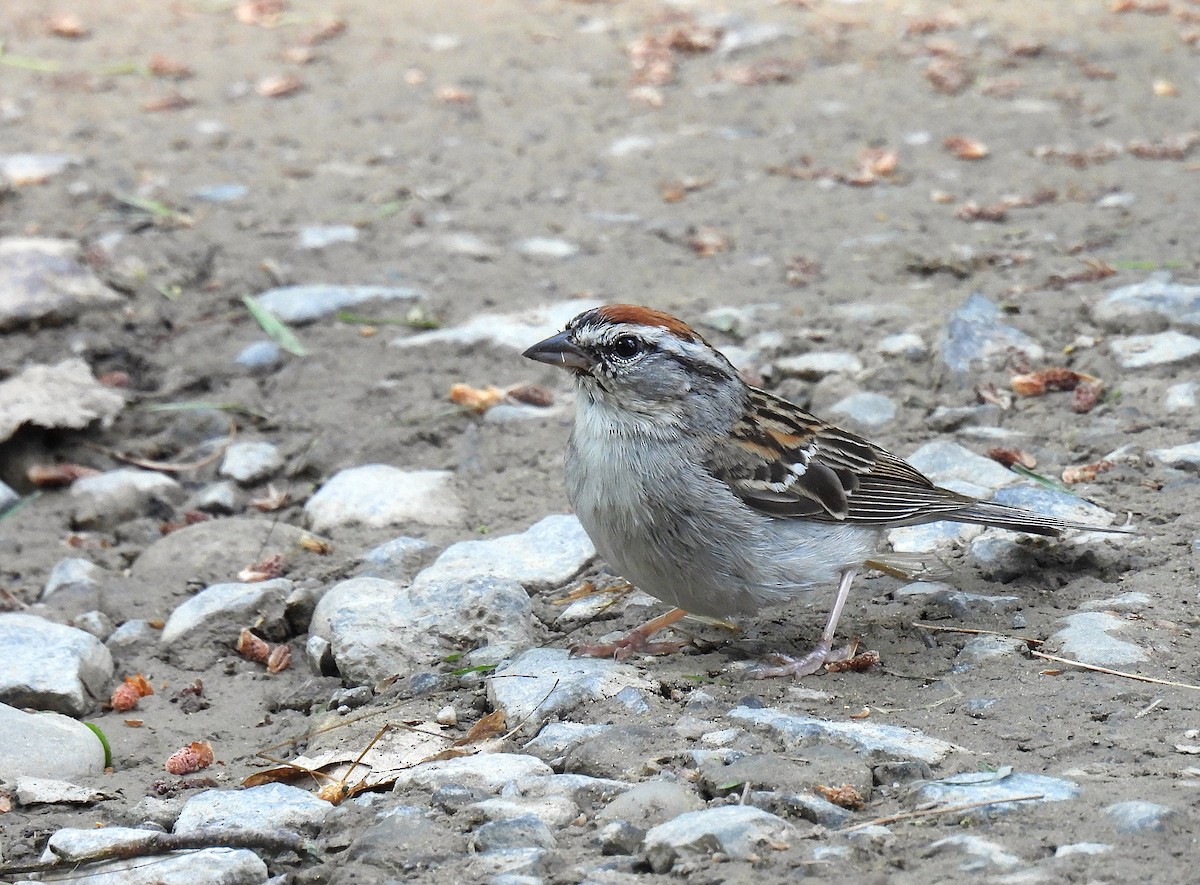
<point x="719" y="498"/>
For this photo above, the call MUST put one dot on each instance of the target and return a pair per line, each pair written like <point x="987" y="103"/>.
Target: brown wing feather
<point x="787" y="462"/>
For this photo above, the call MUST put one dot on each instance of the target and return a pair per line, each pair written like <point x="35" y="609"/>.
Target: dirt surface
<point x="513" y="120"/>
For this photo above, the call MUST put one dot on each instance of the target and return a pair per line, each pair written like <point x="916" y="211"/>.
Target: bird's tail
<point x="1017" y="519"/>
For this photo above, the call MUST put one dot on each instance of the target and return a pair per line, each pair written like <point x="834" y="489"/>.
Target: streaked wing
<point x="789" y="463"/>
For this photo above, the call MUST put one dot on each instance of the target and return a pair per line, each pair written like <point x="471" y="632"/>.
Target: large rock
<point x="46" y="745"/>
<point x="977" y="335"/>
<point x="206" y="626"/>
<point x="379" y="495"/>
<point x="737" y="831"/>
<point x="263" y="808"/>
<point x="380" y="628"/>
<point x="51" y="667"/>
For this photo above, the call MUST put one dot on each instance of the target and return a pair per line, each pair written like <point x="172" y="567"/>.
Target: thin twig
<point x="160" y="843"/>
<point x="931" y="812"/>
<point x="936" y="628"/>
<point x="170" y="466"/>
<point x="1112" y="672"/>
<point x="1146" y="709"/>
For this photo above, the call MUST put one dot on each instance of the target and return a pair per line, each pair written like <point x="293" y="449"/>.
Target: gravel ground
<point x="821" y="187"/>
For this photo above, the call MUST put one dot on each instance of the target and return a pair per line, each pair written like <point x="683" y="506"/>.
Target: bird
<point x="719" y="498"/>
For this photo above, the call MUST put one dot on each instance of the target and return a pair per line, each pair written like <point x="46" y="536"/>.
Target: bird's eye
<point x="627" y="347"/>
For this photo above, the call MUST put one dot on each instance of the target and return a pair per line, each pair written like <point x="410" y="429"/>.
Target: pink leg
<point x="636" y="641"/>
<point x="823" y="652"/>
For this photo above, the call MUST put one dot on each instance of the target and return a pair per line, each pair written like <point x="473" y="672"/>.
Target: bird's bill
<point x="558" y="350"/>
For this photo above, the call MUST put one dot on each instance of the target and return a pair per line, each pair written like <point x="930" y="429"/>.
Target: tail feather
<point x="1017" y="519"/>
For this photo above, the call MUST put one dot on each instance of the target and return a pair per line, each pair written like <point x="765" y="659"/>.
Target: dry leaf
<point x="454" y="95"/>
<point x="490" y="726"/>
<point x="323" y="31"/>
<point x="845" y="796"/>
<point x="1010" y="456"/>
<point x="1086" y="472"/>
<point x="756" y="73"/>
<point x="271" y="567"/>
<point x="279" y="659"/>
<point x="279" y="85"/>
<point x="168" y="68"/>
<point x="1085" y="396"/>
<point x="857" y="664"/>
<point x="49" y="476"/>
<point x="707" y="241"/>
<point x="271" y="499"/>
<point x="965" y="148"/>
<point x="67" y="25"/>
<point x="475" y="399"/>
<point x="128" y="693"/>
<point x="531" y="395"/>
<point x="1165" y="89"/>
<point x="264" y="13"/>
<point x="253" y="648"/>
<point x="171" y="101"/>
<point x="1056" y="378"/>
<point x="948" y="75"/>
<point x="313" y="544"/>
<point x="195" y="756"/>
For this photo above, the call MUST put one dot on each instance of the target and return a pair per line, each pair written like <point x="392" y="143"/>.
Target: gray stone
<point x="1131" y="602"/>
<point x="111" y="498"/>
<point x="51" y="667"/>
<point x="72" y="572"/>
<point x="43" y="281"/>
<point x="303" y="304"/>
<point x="976" y="333"/>
<point x="8" y="497"/>
<point x="59" y="396"/>
<point x="214" y="551"/>
<point x="1160" y="349"/>
<point x="379" y="495"/>
<point x="954" y="417"/>
<point x="95" y="622"/>
<point x="380" y="628"/>
<point x="817" y="810"/>
<point x="524" y="862"/>
<point x="1181" y="397"/>
<point x="1184" y="457"/>
<point x="737" y="831"/>
<point x="580" y="788"/>
<point x="550" y="682"/>
<point x="871" y="739"/>
<point x="983" y="648"/>
<point x="1139" y="817"/>
<point x="1085" y="848"/>
<point x="264" y="808"/>
<point x="318" y="236"/>
<point x="651" y="803"/>
<point x="1087" y="638"/>
<point x="815" y="366"/>
<point x="1001" y="557"/>
<point x="1052" y="502"/>
<point x="553" y="811"/>
<point x="550" y="248"/>
<point x="866" y="409"/>
<point x="488" y="771"/>
<point x="957" y="602"/>
<point x="546" y="555"/>
<point x="947" y="462"/>
<point x="399" y="559"/>
<point x="219" y="497"/>
<point x="556" y="739"/>
<point x="1150" y="306"/>
<point x="982" y="854"/>
<point x="26" y="169"/>
<point x="453" y="798"/>
<point x="405" y="838"/>
<point x="620" y="837"/>
<point x="469" y="245"/>
<point x="932" y="537"/>
<point x="135" y="634"/>
<point x="514" y="331"/>
<point x="210" y="866"/>
<point x="48" y="791"/>
<point x="909" y="345"/>
<point x="519" y="832"/>
<point x="209" y="622"/>
<point x="220" y="193"/>
<point x="47" y="745"/>
<point x="801" y="770"/>
<point x="998" y="788"/>
<point x="260" y="357"/>
<point x="251" y="462"/>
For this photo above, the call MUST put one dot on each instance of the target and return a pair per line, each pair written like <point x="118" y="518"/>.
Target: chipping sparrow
<point x="719" y="498"/>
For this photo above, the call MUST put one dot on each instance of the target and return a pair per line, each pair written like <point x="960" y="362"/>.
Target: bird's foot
<point x="636" y="641"/>
<point x="821" y="656"/>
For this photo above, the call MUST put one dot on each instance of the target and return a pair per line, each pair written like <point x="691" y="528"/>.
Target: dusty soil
<point x="507" y="132"/>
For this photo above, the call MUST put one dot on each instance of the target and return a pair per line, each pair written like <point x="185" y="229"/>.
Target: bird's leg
<point x="823" y="652"/>
<point x="637" y="641"/>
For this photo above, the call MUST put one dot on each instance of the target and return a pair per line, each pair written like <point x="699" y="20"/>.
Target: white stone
<point x="515" y="331"/>
<point x="737" y="831"/>
<point x="867" y="409"/>
<point x="251" y="462"/>
<point x="546" y="555"/>
<point x="990" y="853"/>
<point x="264" y="808"/>
<point x="72" y="572"/>
<point x="1163" y="348"/>
<point x="51" y="667"/>
<point x="118" y="495"/>
<point x="1184" y="457"/>
<point x="549" y="682"/>
<point x="906" y="344"/>
<point x="65" y="395"/>
<point x="553" y="811"/>
<point x="223" y="609"/>
<point x="301" y="304"/>
<point x="943" y="461"/>
<point x="1153" y="303"/>
<point x="379" y="495"/>
<point x="1087" y="638"/>
<point x="546" y="247"/>
<point x="817" y="365"/>
<point x="1181" y="397"/>
<point x="49" y="791"/>
<point x="380" y="628"/>
<point x="47" y="745"/>
<point x="484" y="771"/>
